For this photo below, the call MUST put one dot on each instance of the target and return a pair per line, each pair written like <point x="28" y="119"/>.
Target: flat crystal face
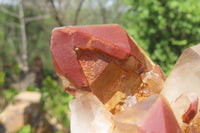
<point x="88" y="115"/>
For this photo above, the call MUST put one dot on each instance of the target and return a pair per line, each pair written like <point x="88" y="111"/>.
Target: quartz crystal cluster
<point x="118" y="89"/>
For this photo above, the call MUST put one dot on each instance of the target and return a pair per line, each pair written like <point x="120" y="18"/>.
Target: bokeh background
<point x="163" y="28"/>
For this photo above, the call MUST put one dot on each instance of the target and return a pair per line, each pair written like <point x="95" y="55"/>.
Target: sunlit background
<point x="163" y="28"/>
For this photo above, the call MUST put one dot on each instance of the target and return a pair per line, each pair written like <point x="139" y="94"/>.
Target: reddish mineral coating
<point x="191" y="112"/>
<point x="160" y="72"/>
<point x="105" y="60"/>
<point x="152" y="115"/>
<point x="160" y="119"/>
<point x="110" y="39"/>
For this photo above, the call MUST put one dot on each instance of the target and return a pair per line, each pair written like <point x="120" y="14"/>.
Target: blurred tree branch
<point x="55" y="13"/>
<point x="30" y="19"/>
<point x="9" y="12"/>
<point x="24" y="67"/>
<point x="78" y="12"/>
<point x="102" y="11"/>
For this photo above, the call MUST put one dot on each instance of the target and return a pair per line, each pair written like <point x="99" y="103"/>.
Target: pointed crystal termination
<point x="185" y="76"/>
<point x="89" y="115"/>
<point x="103" y="59"/>
<point x="182" y="88"/>
<point x="152" y="115"/>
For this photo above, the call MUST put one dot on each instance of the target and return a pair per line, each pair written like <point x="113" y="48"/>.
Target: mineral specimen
<point x="117" y="87"/>
<point x="105" y="60"/>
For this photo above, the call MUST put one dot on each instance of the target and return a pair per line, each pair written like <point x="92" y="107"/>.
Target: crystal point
<point x="104" y="60"/>
<point x="185" y="76"/>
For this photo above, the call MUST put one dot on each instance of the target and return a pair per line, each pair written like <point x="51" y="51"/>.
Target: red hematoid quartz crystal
<point x="104" y="64"/>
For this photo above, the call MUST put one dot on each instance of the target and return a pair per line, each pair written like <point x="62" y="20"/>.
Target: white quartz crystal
<point x="185" y="76"/>
<point x="88" y="115"/>
<point x="182" y="86"/>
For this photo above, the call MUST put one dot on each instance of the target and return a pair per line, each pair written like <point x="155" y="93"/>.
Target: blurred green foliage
<point x="55" y="100"/>
<point x="9" y="48"/>
<point x="164" y="28"/>
<point x="2" y="78"/>
<point x="9" y="94"/>
<point x="25" y="129"/>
